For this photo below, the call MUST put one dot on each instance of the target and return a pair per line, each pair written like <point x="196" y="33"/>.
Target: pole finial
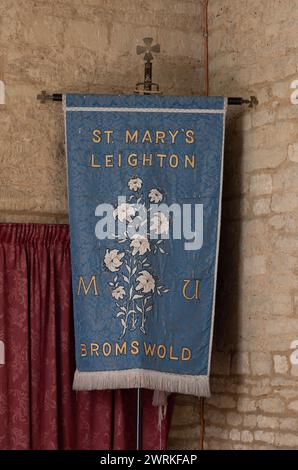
<point x="148" y="49"/>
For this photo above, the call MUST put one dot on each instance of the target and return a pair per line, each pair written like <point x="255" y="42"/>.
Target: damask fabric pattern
<point x="144" y="300"/>
<point x="38" y="408"/>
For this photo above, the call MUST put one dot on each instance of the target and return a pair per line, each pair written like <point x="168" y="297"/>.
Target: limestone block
<point x="254" y="265"/>
<point x="87" y="35"/>
<point x="287" y="440"/>
<point x="263" y="117"/>
<point x="217" y="432"/>
<point x="284" y="327"/>
<point x="240" y="363"/>
<point x="294" y="370"/>
<point x="284" y="202"/>
<point x="261" y="206"/>
<point x="285" y="179"/>
<point x="261" y="363"/>
<point x="281" y="365"/>
<point x="288" y="424"/>
<point x="264" y="436"/>
<point x="235" y="435"/>
<point x="272" y="405"/>
<point x="215" y="416"/>
<point x="43" y="31"/>
<point x="250" y="421"/>
<point x="234" y="419"/>
<point x="267" y="422"/>
<point x="222" y="401"/>
<point x="293" y="406"/>
<point x="247" y="436"/>
<point x="293" y="152"/>
<point x="260" y="184"/>
<point x="287" y="244"/>
<point x="263" y="156"/>
<point x="246" y="405"/>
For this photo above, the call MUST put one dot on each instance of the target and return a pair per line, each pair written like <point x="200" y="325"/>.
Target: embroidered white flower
<point x="134" y="184"/>
<point x="118" y="293"/>
<point x="155" y="196"/>
<point x="139" y="245"/>
<point x="124" y="211"/>
<point x="160" y="223"/>
<point x="112" y="260"/>
<point x="146" y="282"/>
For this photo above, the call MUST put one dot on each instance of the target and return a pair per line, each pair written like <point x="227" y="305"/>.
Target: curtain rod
<point x="232" y="101"/>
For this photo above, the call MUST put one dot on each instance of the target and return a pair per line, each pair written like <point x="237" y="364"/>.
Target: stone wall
<point x="253" y="51"/>
<point x="89" y="45"/>
<point x="83" y="46"/>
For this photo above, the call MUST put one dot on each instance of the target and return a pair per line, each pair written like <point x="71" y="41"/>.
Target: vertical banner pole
<point x="202" y="423"/>
<point x="139" y="419"/>
<point x="147" y="87"/>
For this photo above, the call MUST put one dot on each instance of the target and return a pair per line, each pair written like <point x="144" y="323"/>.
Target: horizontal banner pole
<point x="232" y="101"/>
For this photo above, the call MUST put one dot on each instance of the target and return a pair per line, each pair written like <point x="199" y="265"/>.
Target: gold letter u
<point x="195" y="296"/>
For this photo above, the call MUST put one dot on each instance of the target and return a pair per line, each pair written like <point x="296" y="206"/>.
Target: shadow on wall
<point x="226" y="327"/>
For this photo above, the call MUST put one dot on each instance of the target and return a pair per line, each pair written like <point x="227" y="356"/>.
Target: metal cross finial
<point x="43" y="97"/>
<point x="147" y="50"/>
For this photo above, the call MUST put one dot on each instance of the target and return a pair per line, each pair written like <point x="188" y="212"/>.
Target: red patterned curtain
<point x="38" y="409"/>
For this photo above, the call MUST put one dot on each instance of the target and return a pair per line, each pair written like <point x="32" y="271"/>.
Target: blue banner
<point x="144" y="184"/>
